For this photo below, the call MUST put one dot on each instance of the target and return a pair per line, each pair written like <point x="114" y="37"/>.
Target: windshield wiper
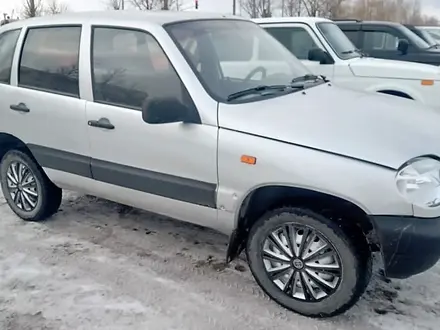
<point x="345" y="52"/>
<point x="257" y="89"/>
<point x="356" y="50"/>
<point x="299" y="82"/>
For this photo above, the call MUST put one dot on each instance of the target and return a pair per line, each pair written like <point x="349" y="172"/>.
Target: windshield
<point x="427" y="37"/>
<point x="413" y="38"/>
<point x="337" y="39"/>
<point x="435" y="33"/>
<point x="230" y="56"/>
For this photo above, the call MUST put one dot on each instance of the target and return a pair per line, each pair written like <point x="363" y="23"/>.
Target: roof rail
<point x="346" y="20"/>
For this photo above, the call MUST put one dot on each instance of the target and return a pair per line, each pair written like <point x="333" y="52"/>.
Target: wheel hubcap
<point x="22" y="186"/>
<point x="302" y="262"/>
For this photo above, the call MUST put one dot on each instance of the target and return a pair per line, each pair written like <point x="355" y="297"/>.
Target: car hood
<point x="380" y="129"/>
<point x="379" y="68"/>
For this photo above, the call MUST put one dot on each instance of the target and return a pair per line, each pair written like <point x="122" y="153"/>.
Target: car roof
<point x="348" y="21"/>
<point x="429" y="27"/>
<point x="160" y="17"/>
<point x="307" y="20"/>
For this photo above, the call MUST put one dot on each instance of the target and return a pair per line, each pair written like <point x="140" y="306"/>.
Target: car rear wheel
<point x="307" y="263"/>
<point x="26" y="188"/>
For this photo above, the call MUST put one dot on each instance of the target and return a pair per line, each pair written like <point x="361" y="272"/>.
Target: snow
<point x="101" y="265"/>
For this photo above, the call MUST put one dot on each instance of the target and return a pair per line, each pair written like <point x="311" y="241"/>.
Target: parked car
<point x="389" y="40"/>
<point x="433" y="30"/>
<point x="326" y="50"/>
<point x="140" y="108"/>
<point x="425" y="35"/>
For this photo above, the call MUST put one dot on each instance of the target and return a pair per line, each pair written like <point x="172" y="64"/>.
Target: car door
<point x="8" y="44"/>
<point x="299" y="39"/>
<point x="44" y="108"/>
<point x="169" y="169"/>
<point x="382" y="42"/>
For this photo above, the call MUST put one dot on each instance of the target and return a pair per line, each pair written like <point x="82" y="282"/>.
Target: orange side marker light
<point x="427" y="82"/>
<point x="248" y="159"/>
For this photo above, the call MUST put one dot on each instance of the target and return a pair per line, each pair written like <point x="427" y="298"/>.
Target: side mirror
<point x="167" y="110"/>
<point x="403" y="46"/>
<point x="318" y="55"/>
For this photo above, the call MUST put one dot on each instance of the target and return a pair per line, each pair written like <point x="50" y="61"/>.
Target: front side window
<point x="338" y="41"/>
<point x="269" y="64"/>
<point x="295" y="39"/>
<point x="130" y="67"/>
<point x="378" y="40"/>
<point x="49" y="60"/>
<point x="8" y="41"/>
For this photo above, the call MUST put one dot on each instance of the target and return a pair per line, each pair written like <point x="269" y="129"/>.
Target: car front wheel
<point x="307" y="263"/>
<point x="26" y="188"/>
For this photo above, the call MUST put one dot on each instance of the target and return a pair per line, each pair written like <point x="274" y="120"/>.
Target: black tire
<point x="354" y="258"/>
<point x="49" y="196"/>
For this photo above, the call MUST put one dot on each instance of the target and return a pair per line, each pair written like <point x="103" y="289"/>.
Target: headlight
<point x="419" y="182"/>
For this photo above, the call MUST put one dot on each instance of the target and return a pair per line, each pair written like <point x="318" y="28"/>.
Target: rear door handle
<point x="101" y="123"/>
<point x="20" y="107"/>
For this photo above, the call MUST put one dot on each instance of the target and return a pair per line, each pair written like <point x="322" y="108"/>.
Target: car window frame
<point x="20" y="30"/>
<point x="20" y="58"/>
<point x="132" y="29"/>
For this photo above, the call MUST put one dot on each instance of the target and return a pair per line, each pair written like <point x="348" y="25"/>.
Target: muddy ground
<point x="100" y="265"/>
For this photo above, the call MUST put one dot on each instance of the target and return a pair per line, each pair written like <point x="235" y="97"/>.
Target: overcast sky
<point x="431" y="7"/>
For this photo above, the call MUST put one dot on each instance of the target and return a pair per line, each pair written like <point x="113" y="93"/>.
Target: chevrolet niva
<point x="308" y="178"/>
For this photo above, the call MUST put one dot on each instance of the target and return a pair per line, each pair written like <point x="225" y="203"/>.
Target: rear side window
<point x="8" y="41"/>
<point x="49" y="60"/>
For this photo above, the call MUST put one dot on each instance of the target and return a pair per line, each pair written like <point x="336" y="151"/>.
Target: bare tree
<point x="324" y="8"/>
<point x="291" y="7"/>
<point x="55" y="7"/>
<point x="258" y="8"/>
<point x="402" y="11"/>
<point x="115" y="4"/>
<point x="157" y="4"/>
<point x="32" y="8"/>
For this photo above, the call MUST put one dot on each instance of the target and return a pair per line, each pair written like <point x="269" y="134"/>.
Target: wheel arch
<point x="268" y="197"/>
<point x="396" y="93"/>
<point x="9" y="142"/>
<point x="403" y="91"/>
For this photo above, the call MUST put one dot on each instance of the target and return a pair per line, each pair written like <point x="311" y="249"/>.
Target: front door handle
<point x="20" y="107"/>
<point x="101" y="123"/>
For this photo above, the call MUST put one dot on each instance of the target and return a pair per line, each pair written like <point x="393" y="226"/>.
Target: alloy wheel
<point x="301" y="262"/>
<point x="22" y="186"/>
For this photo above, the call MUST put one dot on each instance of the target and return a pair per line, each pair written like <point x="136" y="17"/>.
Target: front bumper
<point x="409" y="245"/>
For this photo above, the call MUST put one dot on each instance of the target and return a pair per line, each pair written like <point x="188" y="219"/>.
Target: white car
<point x="321" y="45"/>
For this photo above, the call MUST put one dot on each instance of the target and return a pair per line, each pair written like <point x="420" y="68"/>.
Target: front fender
<point x="369" y="186"/>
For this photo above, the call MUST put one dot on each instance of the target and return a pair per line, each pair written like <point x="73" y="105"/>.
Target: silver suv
<point x="174" y="113"/>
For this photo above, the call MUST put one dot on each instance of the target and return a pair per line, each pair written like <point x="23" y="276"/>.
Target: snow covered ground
<point x="100" y="265"/>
